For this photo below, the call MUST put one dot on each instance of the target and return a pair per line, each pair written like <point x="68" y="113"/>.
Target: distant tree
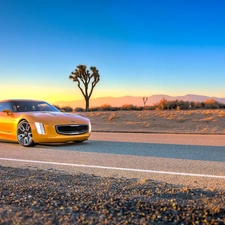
<point x="163" y="103"/>
<point x="198" y="105"/>
<point x="172" y="104"/>
<point x="145" y="99"/>
<point x="84" y="79"/>
<point x="184" y="104"/>
<point x="211" y="104"/>
<point x="221" y="105"/>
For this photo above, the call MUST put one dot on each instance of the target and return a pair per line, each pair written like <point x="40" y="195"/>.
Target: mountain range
<point x="138" y="101"/>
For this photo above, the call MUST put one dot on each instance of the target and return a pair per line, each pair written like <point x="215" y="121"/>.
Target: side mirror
<point x="9" y="112"/>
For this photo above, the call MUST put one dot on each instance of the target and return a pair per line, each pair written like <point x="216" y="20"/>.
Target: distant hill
<point x="138" y="101"/>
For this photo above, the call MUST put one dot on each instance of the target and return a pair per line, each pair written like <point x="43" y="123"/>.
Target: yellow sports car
<point x="30" y="122"/>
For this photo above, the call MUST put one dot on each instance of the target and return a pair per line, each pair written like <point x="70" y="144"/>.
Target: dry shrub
<point x="171" y="116"/>
<point x="112" y="116"/>
<point x="67" y="108"/>
<point x="163" y="114"/>
<point x="147" y="125"/>
<point x="128" y="107"/>
<point x="207" y="112"/>
<point x="105" y="107"/>
<point x="132" y="122"/>
<point x="92" y="109"/>
<point x="211" y="104"/>
<point x="92" y="114"/>
<point x="79" y="109"/>
<point x="148" y="107"/>
<point x="208" y="119"/>
<point x="95" y="114"/>
<point x="198" y="112"/>
<point x="181" y="119"/>
<point x="188" y="112"/>
<point x="221" y="114"/>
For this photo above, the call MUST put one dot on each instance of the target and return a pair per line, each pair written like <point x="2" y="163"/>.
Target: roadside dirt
<point x="163" y="121"/>
<point x="49" y="197"/>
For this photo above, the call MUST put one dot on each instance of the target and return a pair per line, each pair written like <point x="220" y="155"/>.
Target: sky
<point x="140" y="47"/>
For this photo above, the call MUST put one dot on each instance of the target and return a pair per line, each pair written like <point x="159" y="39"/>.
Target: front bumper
<point x="51" y="136"/>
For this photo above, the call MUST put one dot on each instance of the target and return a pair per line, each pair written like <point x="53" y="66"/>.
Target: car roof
<point x="23" y="100"/>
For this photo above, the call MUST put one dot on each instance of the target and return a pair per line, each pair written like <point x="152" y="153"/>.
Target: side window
<point x="5" y="105"/>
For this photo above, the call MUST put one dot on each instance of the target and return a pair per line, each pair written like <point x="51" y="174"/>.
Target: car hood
<point x="54" y="118"/>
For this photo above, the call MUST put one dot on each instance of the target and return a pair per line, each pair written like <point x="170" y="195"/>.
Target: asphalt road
<point x="192" y="160"/>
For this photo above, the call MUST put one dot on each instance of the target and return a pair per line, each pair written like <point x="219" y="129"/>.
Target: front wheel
<point x="24" y="134"/>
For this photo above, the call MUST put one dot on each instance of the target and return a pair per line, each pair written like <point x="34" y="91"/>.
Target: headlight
<point x="40" y="128"/>
<point x="89" y="127"/>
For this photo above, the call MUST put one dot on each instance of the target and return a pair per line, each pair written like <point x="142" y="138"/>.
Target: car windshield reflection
<point x="33" y="106"/>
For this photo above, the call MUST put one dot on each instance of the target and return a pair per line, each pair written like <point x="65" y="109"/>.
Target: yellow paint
<point x="9" y="123"/>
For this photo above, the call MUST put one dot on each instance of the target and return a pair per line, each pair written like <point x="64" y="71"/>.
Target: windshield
<point x="32" y="106"/>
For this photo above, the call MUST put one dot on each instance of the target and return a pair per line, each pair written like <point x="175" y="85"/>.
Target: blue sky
<point x="140" y="47"/>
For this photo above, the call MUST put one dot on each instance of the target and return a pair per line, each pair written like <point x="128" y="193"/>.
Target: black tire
<point x="79" y="141"/>
<point x="24" y="134"/>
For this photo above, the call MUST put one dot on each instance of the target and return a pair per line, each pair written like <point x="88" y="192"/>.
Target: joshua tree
<point x="84" y="78"/>
<point x="145" y="99"/>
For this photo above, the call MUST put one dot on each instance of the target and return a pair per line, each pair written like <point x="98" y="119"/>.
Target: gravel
<point x="54" y="197"/>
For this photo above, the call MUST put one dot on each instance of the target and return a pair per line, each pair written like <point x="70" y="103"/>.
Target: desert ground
<point x="33" y="196"/>
<point x="160" y="121"/>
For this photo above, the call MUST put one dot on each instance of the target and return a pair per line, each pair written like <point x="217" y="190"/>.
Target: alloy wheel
<point x="24" y="134"/>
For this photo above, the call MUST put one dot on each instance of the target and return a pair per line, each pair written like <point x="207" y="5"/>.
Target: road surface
<point x="192" y="160"/>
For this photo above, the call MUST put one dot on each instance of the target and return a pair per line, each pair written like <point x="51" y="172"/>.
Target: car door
<point x="5" y="118"/>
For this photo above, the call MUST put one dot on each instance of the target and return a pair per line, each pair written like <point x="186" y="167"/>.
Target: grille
<point x="71" y="129"/>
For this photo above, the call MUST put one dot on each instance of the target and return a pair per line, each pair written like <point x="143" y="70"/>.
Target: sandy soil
<point x="49" y="197"/>
<point x="162" y="121"/>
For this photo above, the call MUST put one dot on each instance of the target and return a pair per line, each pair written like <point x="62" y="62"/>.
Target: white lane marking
<point x="115" y="168"/>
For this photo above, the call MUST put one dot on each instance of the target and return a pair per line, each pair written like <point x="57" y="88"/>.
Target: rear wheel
<point x="24" y="134"/>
